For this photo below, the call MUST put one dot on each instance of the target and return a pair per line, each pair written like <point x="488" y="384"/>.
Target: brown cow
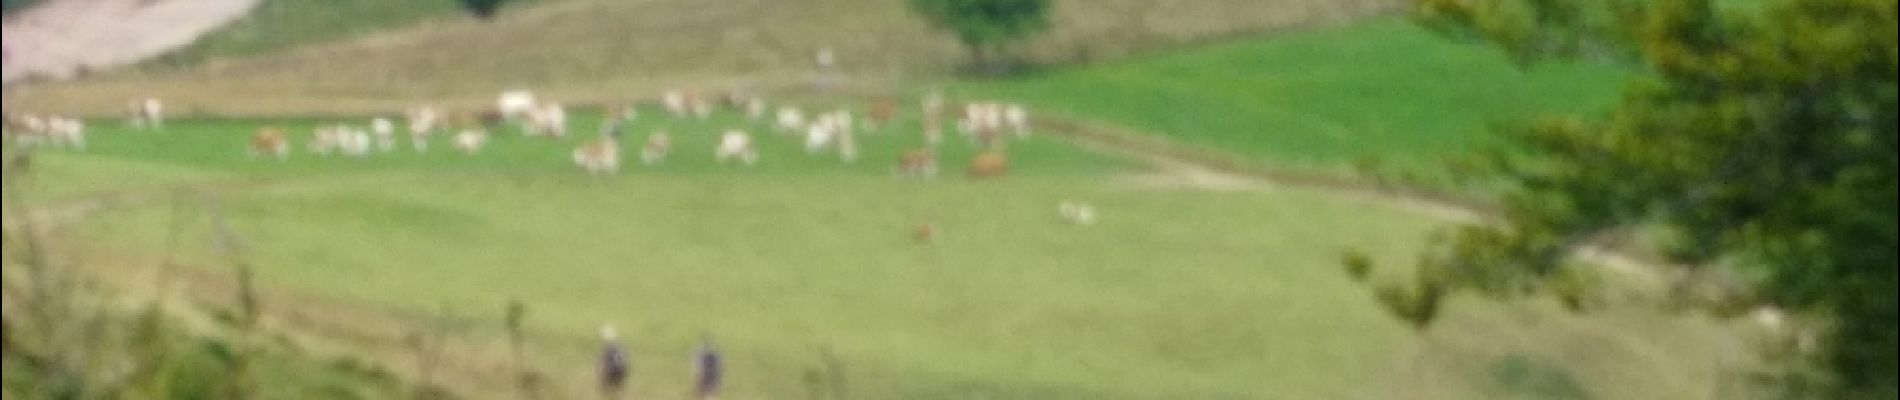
<point x="921" y="163"/>
<point x="989" y="164"/>
<point x="881" y="112"/>
<point x="270" y="141"/>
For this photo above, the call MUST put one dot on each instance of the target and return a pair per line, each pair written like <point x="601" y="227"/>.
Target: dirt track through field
<point x="59" y="39"/>
<point x="1172" y="171"/>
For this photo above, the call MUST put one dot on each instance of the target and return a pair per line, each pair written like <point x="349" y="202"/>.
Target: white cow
<point x="790" y="119"/>
<point x="353" y="141"/>
<point x="513" y="103"/>
<point x="470" y="141"/>
<point x="1077" y="212"/>
<point x="701" y="107"/>
<point x="755" y="108"/>
<point x="324" y="140"/>
<point x="148" y="114"/>
<point x="674" y="100"/>
<point x="385" y="131"/>
<point x="658" y="144"/>
<point x="599" y="156"/>
<point x="66" y="132"/>
<point x="736" y="144"/>
<point x="847" y="147"/>
<point x="819" y="135"/>
<point x="1017" y="119"/>
<point x="933" y="118"/>
<point x="547" y="119"/>
<point x="421" y="123"/>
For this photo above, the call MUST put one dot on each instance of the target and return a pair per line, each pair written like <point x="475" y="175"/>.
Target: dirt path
<point x="1182" y="172"/>
<point x="60" y="38"/>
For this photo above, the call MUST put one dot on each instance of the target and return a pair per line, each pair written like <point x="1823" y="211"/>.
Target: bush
<point x="1357" y="264"/>
<point x="482" y="9"/>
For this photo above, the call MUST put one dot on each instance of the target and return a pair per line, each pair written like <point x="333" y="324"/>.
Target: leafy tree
<point x="482" y="9"/>
<point x="1764" y="135"/>
<point x="986" y="27"/>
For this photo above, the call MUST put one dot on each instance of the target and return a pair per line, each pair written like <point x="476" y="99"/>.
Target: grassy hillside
<point x="1384" y="90"/>
<point x="279" y="25"/>
<point x="1175" y="293"/>
<point x="605" y="49"/>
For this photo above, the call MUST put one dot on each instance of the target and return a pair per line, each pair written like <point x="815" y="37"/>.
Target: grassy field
<point x="277" y="25"/>
<point x="1175" y="293"/>
<point x="1383" y="90"/>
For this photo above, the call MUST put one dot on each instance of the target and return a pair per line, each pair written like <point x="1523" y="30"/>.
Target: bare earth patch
<point x="61" y="38"/>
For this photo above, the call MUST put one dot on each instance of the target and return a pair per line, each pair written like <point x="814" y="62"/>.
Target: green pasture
<point x="1173" y="293"/>
<point x="1383" y="91"/>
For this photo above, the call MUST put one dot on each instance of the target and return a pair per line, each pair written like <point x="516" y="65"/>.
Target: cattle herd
<point x="831" y="133"/>
<point x="988" y="125"/>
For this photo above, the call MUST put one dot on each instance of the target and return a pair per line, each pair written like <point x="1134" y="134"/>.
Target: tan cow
<point x="658" y="144"/>
<point x="599" y="156"/>
<point x="989" y="164"/>
<point x="881" y="112"/>
<point x="270" y="141"/>
<point x="919" y="163"/>
<point x="422" y="122"/>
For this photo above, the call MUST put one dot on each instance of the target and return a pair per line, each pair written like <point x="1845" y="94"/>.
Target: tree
<point x="986" y="27"/>
<point x="1762" y="135"/>
<point x="482" y="9"/>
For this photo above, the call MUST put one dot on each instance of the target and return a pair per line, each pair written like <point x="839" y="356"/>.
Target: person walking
<point x="708" y="364"/>
<point x="613" y="364"/>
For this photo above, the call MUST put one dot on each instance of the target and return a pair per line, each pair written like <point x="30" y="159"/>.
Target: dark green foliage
<point x="1764" y="141"/>
<point x="1417" y="303"/>
<point x="986" y="27"/>
<point x="15" y="5"/>
<point x="1358" y="265"/>
<point x="1523" y="376"/>
<point x="483" y="9"/>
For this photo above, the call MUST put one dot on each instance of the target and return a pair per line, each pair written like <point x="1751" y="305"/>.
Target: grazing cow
<point x="470" y="141"/>
<point x="385" y="131"/>
<point x="882" y="111"/>
<point x="625" y="114"/>
<point x="698" y="104"/>
<point x="847" y="147"/>
<point x="548" y="119"/>
<point x="1017" y="119"/>
<point x="674" y="100"/>
<point x="353" y="141"/>
<point x="490" y="119"/>
<point x="323" y="140"/>
<point x="422" y="122"/>
<point x="755" y="108"/>
<point x="1077" y="212"/>
<point x="819" y="135"/>
<point x="66" y="132"/>
<point x="736" y="144"/>
<point x="989" y="164"/>
<point x="513" y="103"/>
<point x="599" y="156"/>
<point x="925" y="233"/>
<point x="919" y="163"/>
<point x="841" y="120"/>
<point x="933" y="118"/>
<point x="270" y="141"/>
<point x="148" y="114"/>
<point x="657" y="145"/>
<point x="790" y="119"/>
